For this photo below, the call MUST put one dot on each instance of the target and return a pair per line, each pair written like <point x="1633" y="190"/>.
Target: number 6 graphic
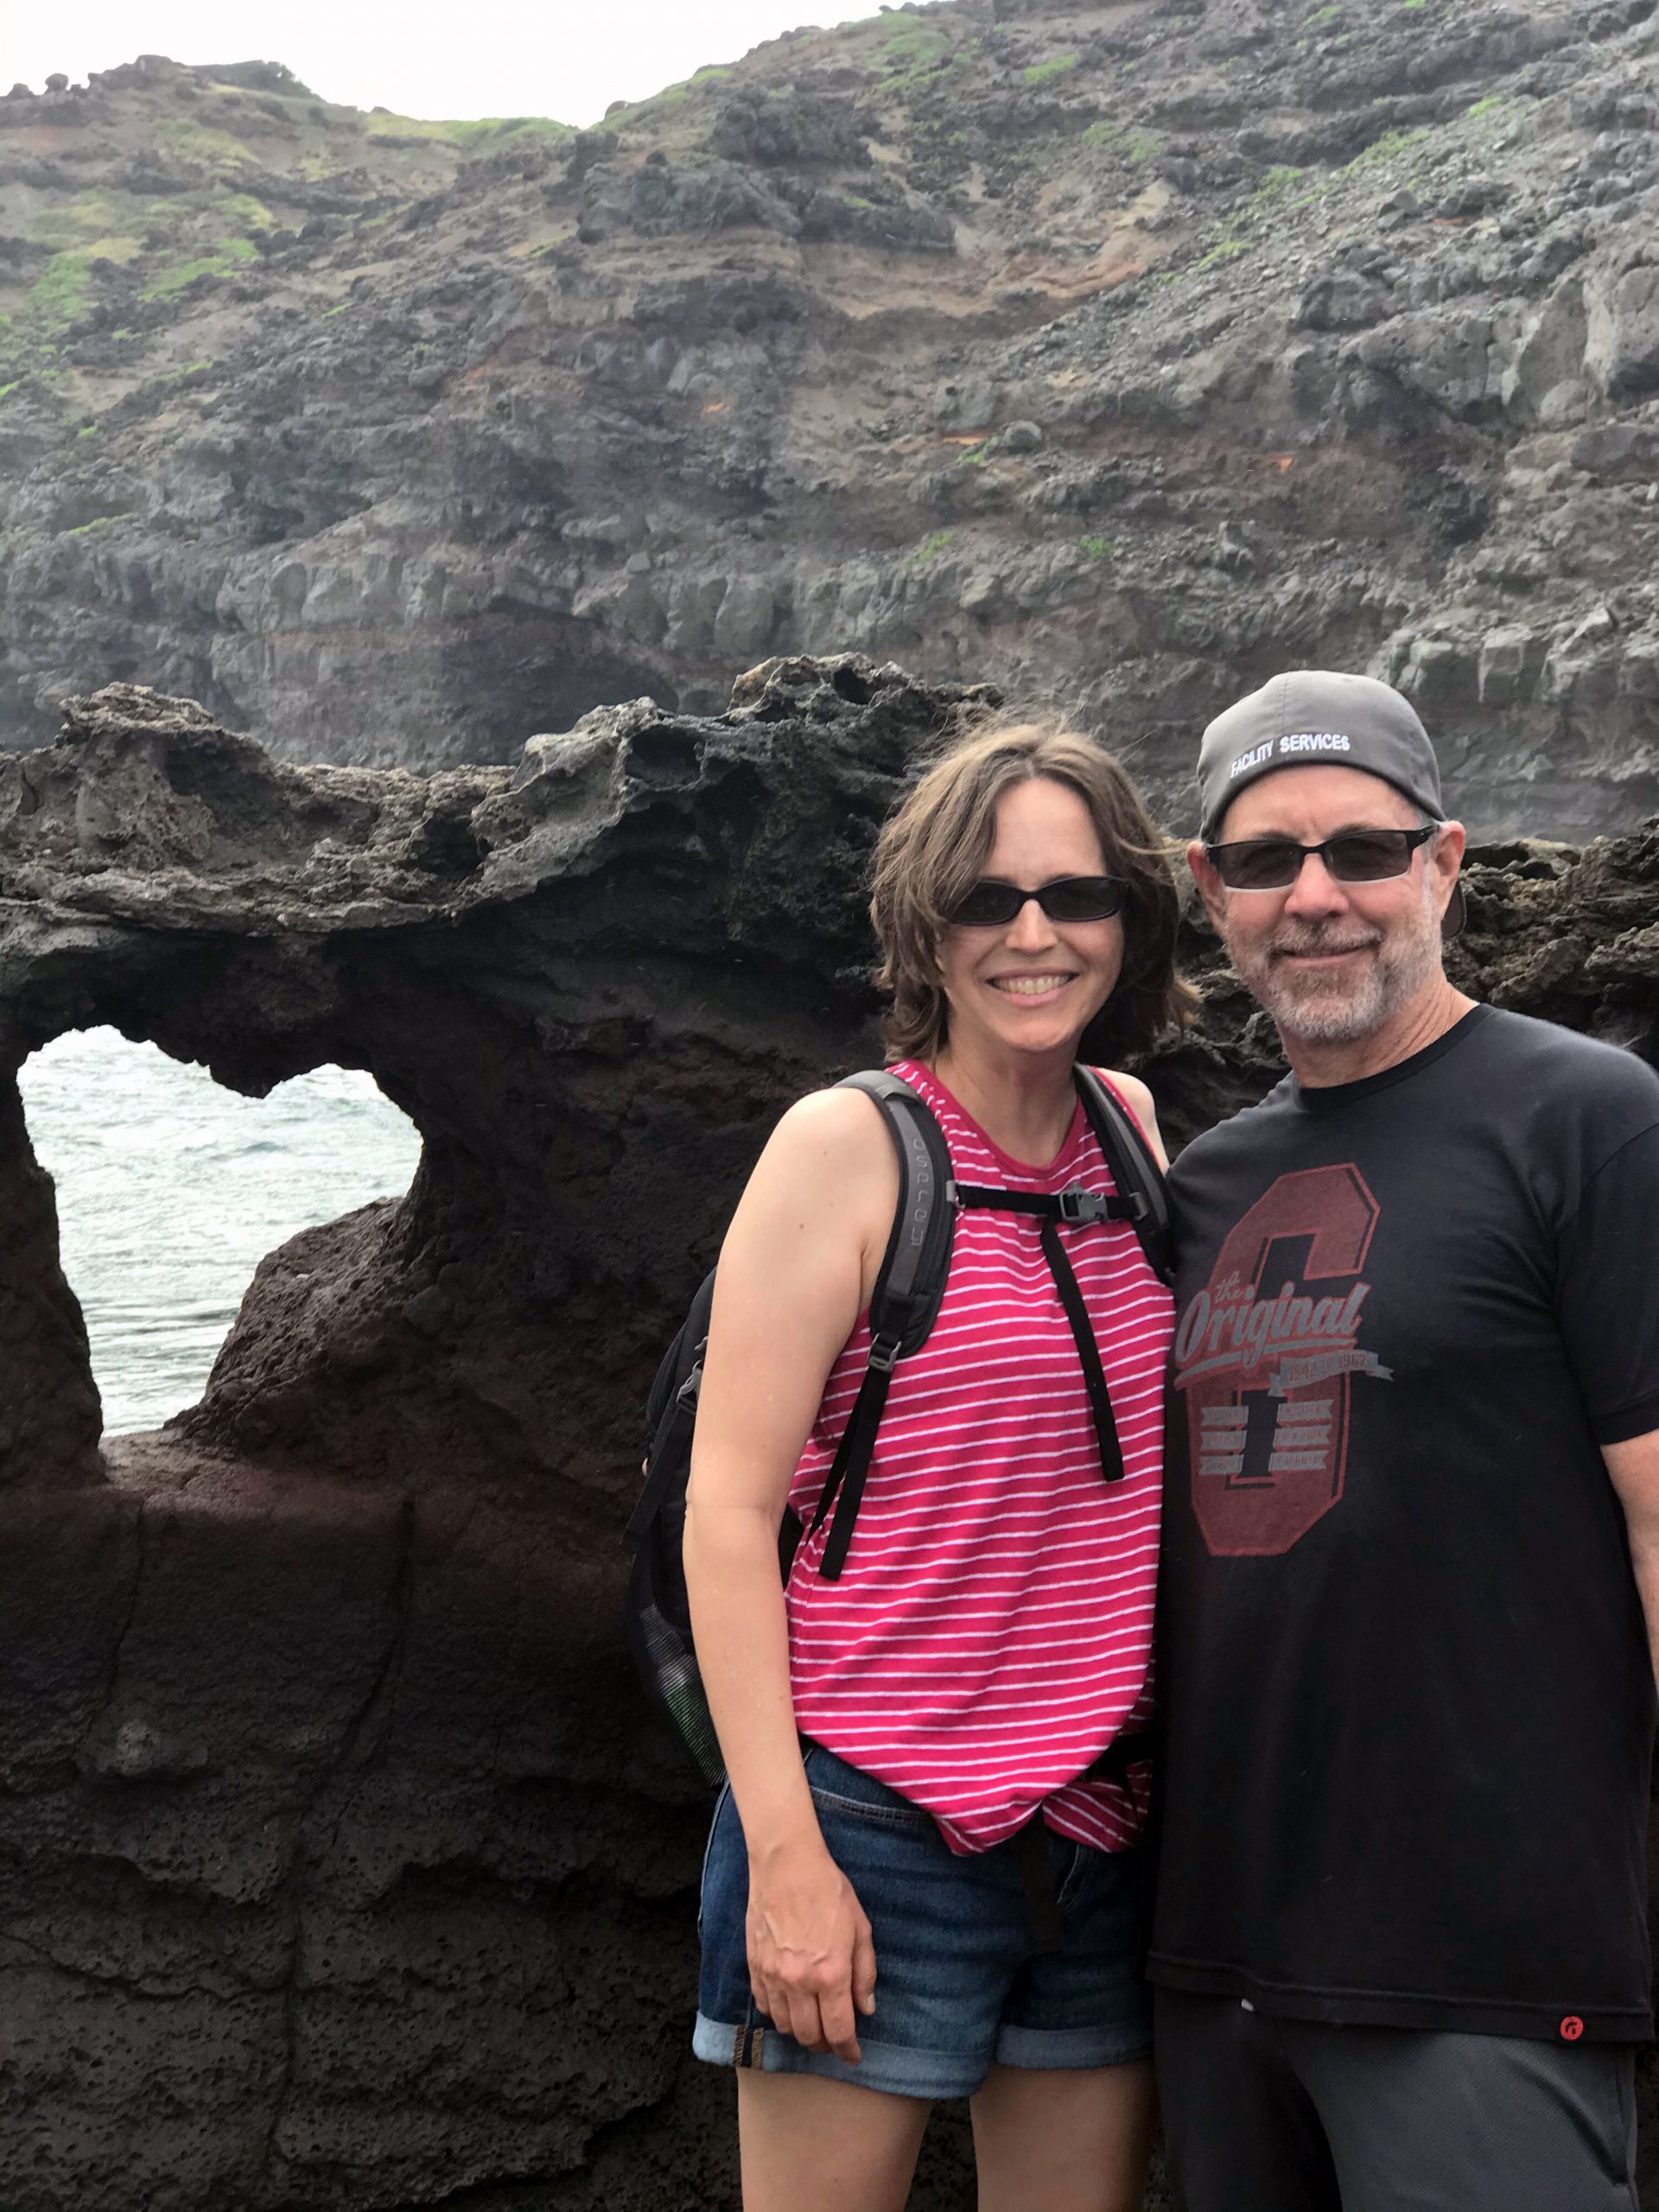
<point x="1268" y="1462"/>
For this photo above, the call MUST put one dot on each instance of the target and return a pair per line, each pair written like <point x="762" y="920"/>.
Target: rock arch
<point x="328" y="1781"/>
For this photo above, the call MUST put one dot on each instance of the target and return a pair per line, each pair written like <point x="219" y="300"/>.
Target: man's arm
<point x="1634" y="1467"/>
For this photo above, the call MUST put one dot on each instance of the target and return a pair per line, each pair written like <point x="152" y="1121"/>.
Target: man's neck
<point x="1320" y="1066"/>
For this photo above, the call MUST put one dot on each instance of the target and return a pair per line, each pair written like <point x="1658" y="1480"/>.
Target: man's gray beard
<point x="1319" y="1010"/>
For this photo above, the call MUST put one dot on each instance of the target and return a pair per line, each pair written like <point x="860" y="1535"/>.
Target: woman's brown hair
<point x="936" y="845"/>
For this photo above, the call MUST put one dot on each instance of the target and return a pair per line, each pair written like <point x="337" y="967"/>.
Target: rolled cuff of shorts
<point x="889" y="2068"/>
<point x="1067" y="2049"/>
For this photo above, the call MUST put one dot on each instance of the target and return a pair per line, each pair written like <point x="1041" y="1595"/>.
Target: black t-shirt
<point x="1407" y="1691"/>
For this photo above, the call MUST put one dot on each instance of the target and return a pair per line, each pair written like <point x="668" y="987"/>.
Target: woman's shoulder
<point x="1140" y="1100"/>
<point x="828" y="1163"/>
<point x="836" y="1128"/>
<point x="1131" y="1090"/>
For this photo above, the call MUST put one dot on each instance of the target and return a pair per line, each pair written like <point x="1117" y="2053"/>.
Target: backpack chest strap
<point x="1079" y="1207"/>
<point x="1073" y="1205"/>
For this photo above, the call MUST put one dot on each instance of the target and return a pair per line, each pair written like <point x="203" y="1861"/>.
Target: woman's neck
<point x="1025" y="1106"/>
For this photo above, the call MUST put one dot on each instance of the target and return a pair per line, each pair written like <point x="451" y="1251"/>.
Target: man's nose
<point x="1031" y="930"/>
<point x="1316" y="892"/>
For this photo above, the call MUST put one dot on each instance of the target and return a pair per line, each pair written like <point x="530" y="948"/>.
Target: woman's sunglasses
<point x="1356" y="856"/>
<point x="990" y="903"/>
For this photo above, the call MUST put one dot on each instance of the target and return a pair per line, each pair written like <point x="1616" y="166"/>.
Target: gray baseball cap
<point x="1314" y="718"/>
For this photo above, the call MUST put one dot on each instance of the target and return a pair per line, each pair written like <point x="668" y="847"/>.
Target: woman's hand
<point x="811" y="1959"/>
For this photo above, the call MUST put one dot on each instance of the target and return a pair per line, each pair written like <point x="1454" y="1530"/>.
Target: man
<point x="1400" y="1947"/>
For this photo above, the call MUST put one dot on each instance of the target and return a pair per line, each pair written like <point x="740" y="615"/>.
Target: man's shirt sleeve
<point x="1609" y="1290"/>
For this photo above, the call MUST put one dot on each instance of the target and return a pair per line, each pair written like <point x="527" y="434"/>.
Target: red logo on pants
<point x="1572" y="2028"/>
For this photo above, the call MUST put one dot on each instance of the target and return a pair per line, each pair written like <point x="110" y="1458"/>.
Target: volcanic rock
<point x="344" y="1865"/>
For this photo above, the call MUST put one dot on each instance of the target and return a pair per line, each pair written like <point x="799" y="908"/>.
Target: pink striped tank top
<point x="992" y="1632"/>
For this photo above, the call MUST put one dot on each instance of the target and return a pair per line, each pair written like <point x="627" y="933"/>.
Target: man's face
<point x="1332" y="963"/>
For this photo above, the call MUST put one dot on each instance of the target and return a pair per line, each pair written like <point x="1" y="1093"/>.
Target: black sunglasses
<point x="1355" y="856"/>
<point x="990" y="903"/>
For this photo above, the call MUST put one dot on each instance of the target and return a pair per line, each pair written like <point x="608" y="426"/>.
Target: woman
<point x="869" y="1934"/>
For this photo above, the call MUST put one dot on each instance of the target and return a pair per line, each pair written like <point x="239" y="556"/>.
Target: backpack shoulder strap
<point x="910" y="1283"/>
<point x="1135" y="1168"/>
<point x="905" y="1303"/>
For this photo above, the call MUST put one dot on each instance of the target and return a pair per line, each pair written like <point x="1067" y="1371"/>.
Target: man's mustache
<point x="1293" y="945"/>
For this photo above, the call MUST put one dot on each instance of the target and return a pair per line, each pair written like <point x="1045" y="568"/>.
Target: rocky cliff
<point x="1122" y="351"/>
<point x="342" y="1866"/>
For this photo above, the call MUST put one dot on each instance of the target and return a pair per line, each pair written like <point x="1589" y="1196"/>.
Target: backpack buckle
<point x="883" y="1353"/>
<point x="1077" y="1205"/>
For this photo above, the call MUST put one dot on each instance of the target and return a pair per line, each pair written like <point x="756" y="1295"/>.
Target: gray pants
<point x="1273" y="2115"/>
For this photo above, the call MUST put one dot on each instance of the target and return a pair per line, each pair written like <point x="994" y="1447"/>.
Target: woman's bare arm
<point x="795" y="1272"/>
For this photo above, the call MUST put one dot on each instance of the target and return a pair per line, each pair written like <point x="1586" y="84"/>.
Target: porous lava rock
<point x="342" y="1864"/>
<point x="343" y="1867"/>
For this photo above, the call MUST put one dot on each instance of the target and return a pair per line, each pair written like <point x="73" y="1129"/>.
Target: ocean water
<point x="171" y="1189"/>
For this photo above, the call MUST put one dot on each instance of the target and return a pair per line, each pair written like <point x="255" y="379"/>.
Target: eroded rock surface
<point x="342" y="1866"/>
<point x="1116" y="350"/>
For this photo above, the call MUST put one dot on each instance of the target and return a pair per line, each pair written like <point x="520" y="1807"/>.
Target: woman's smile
<point x="1031" y="987"/>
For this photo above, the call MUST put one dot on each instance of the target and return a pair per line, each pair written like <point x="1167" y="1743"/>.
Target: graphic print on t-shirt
<point x="1266" y="1356"/>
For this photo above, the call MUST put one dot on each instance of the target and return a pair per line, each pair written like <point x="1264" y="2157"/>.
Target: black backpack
<point x="904" y="1304"/>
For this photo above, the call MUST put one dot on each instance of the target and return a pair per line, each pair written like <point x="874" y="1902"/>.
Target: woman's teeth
<point x="1028" y="986"/>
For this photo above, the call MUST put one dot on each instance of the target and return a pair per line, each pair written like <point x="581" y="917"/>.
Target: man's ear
<point x="1209" y="883"/>
<point x="1448" y="850"/>
<point x="1445" y="858"/>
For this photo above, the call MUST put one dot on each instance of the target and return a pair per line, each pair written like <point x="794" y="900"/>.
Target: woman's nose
<point x="1031" y="929"/>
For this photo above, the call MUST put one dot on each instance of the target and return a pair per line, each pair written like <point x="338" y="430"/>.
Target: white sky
<point x="568" y="59"/>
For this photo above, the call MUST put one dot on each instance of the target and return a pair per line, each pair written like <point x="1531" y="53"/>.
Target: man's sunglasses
<point x="1355" y="856"/>
<point x="991" y="903"/>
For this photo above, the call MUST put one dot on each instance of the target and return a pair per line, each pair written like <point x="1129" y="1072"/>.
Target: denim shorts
<point x="958" y="1984"/>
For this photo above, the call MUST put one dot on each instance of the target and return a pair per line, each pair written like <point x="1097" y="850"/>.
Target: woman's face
<point x="1033" y="985"/>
